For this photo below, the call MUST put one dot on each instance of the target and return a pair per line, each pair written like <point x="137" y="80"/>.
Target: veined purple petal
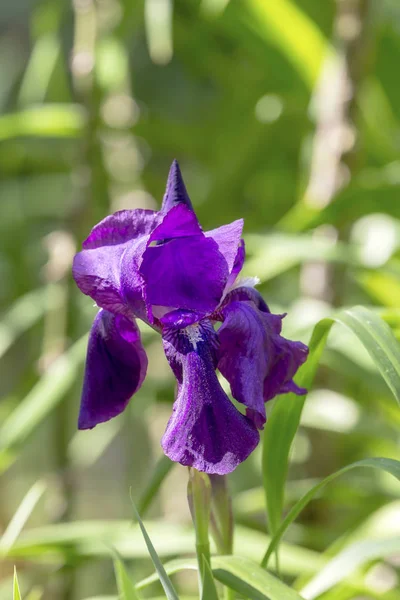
<point x="99" y="269"/>
<point x="228" y="238"/>
<point x="176" y="191"/>
<point x="246" y="293"/>
<point x="180" y="318"/>
<point x="286" y="358"/>
<point x="116" y="365"/>
<point x="256" y="360"/>
<point x="205" y="430"/>
<point x="121" y="227"/>
<point x="245" y="350"/>
<point x="179" y="222"/>
<point x="187" y="270"/>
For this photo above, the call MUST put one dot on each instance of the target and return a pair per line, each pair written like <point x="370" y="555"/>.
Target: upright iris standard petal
<point x="205" y="430"/>
<point x="228" y="239"/>
<point x="256" y="360"/>
<point x="116" y="366"/>
<point x="176" y="191"/>
<point x="97" y="269"/>
<point x="183" y="271"/>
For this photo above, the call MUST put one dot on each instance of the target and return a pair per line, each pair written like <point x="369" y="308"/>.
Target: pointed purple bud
<point x="175" y="192"/>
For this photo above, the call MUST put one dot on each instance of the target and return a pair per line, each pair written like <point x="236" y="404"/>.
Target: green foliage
<point x="96" y="99"/>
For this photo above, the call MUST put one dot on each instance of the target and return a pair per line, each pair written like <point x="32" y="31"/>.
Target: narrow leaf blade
<point x="386" y="464"/>
<point x="164" y="579"/>
<point x="209" y="590"/>
<point x="126" y="588"/>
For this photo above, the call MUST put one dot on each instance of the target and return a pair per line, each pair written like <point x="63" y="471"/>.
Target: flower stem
<point x="222" y="520"/>
<point x="199" y="499"/>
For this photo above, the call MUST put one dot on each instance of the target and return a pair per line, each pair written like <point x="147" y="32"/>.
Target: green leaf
<point x="209" y="590"/>
<point x="24" y="313"/>
<point x="296" y="35"/>
<point x="16" y="591"/>
<point x="242" y="575"/>
<point x="48" y="120"/>
<point x="41" y="400"/>
<point x="386" y="464"/>
<point x="347" y="561"/>
<point x="285" y="416"/>
<point x="160" y="472"/>
<point x="93" y="539"/>
<point x="126" y="588"/>
<point x="164" y="579"/>
<point x="21" y="516"/>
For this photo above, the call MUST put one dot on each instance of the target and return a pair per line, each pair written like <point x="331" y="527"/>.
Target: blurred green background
<point x="283" y="112"/>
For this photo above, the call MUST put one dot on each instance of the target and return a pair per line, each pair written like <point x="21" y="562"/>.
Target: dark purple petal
<point x="228" y="238"/>
<point x="187" y="270"/>
<point x="100" y="271"/>
<point x="246" y="293"/>
<point x="176" y="191"/>
<point x="256" y="360"/>
<point x="286" y="358"/>
<point x="205" y="430"/>
<point x="179" y="222"/>
<point x="245" y="350"/>
<point x="116" y="366"/>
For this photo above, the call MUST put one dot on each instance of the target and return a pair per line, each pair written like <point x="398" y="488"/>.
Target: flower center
<point x="193" y="333"/>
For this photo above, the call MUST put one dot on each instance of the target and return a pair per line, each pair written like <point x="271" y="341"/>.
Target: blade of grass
<point x="386" y="464"/>
<point x="282" y="425"/>
<point x="164" y="579"/>
<point x="21" y="515"/>
<point x="126" y="589"/>
<point x="41" y="400"/>
<point x="16" y="591"/>
<point x="160" y="472"/>
<point x="209" y="590"/>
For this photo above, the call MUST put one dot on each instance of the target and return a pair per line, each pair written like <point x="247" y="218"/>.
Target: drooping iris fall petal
<point x="205" y="430"/>
<point x="116" y="365"/>
<point x="256" y="360"/>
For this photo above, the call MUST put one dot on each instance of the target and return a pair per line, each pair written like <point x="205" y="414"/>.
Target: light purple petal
<point x="256" y="360"/>
<point x="176" y="191"/>
<point x="228" y="238"/>
<point x="205" y="430"/>
<point x="184" y="269"/>
<point x="121" y="227"/>
<point x="237" y="265"/>
<point x="99" y="270"/>
<point x="116" y="366"/>
<point x="180" y="318"/>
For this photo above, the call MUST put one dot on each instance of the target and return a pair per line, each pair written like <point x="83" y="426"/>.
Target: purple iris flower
<point x="161" y="267"/>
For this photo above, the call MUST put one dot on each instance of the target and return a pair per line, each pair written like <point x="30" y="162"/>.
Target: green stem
<point x="199" y="498"/>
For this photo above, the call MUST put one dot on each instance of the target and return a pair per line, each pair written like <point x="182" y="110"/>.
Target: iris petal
<point x="97" y="269"/>
<point x="176" y="191"/>
<point x="184" y="269"/>
<point x="228" y="239"/>
<point x="256" y="360"/>
<point x="205" y="430"/>
<point x="116" y="366"/>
